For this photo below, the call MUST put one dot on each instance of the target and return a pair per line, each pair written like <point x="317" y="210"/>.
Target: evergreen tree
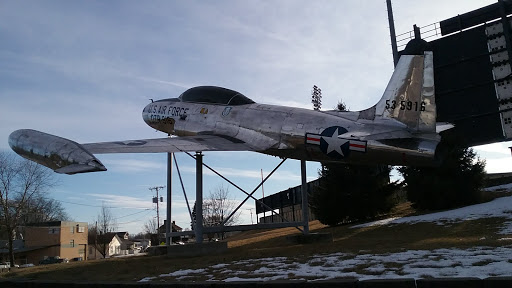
<point x="350" y="193"/>
<point x="456" y="182"/>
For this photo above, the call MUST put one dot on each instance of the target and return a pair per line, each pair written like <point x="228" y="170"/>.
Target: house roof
<point x="122" y="234"/>
<point x="175" y="228"/>
<point x="126" y="242"/>
<point x="110" y="235"/>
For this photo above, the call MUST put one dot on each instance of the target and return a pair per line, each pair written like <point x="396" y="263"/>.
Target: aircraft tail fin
<point x="410" y="96"/>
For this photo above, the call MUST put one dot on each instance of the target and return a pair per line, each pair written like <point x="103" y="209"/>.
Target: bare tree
<point x="217" y="207"/>
<point x="21" y="181"/>
<point x="150" y="227"/>
<point x="106" y="221"/>
<point x="103" y="230"/>
<point x="42" y="209"/>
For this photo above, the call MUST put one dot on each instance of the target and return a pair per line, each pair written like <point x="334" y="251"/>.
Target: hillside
<point x="470" y="241"/>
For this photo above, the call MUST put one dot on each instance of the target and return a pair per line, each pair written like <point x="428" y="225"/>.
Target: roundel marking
<point x="331" y="145"/>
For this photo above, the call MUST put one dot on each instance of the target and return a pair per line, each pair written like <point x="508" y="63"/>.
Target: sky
<point x="84" y="70"/>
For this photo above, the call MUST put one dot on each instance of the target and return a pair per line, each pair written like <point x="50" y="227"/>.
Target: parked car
<point x="27" y="265"/>
<point x="6" y="265"/>
<point x="53" y="260"/>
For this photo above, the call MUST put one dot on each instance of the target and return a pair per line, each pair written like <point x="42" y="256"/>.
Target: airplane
<point x="400" y="129"/>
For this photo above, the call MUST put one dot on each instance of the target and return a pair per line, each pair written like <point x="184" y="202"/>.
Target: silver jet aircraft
<point x="399" y="130"/>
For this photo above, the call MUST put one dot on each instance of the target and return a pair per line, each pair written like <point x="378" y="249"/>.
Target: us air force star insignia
<point x="331" y="145"/>
<point x="335" y="144"/>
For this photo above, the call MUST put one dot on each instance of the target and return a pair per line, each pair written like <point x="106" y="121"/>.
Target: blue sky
<point x="85" y="69"/>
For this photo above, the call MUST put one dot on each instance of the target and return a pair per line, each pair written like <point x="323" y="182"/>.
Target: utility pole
<point x="168" y="226"/>
<point x="250" y="210"/>
<point x="155" y="200"/>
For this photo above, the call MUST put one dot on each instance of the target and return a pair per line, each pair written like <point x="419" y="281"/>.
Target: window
<point x="72" y="243"/>
<point x="72" y="230"/>
<point x="80" y="229"/>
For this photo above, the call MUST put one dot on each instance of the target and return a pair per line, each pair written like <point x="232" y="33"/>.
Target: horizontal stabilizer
<point x="443" y="126"/>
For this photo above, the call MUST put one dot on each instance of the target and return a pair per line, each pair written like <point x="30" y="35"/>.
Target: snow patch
<point x="500" y="207"/>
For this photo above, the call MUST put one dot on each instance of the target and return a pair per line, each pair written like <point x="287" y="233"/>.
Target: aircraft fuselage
<point x="288" y="132"/>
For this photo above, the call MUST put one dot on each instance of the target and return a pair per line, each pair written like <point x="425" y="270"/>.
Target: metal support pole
<point x="199" y="198"/>
<point x="168" y="226"/>
<point x="305" y="203"/>
<point x="242" y="190"/>
<point x="184" y="192"/>
<point x="417" y="32"/>
<point x="394" y="47"/>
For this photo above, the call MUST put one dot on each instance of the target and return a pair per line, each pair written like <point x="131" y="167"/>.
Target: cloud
<point x="121" y="201"/>
<point x="495" y="149"/>
<point x="180" y="85"/>
<point x="133" y="165"/>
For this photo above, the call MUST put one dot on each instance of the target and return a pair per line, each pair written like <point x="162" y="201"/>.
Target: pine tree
<point x="349" y="193"/>
<point x="456" y="182"/>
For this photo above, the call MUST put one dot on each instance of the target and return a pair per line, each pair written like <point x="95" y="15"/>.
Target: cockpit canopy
<point x="214" y="95"/>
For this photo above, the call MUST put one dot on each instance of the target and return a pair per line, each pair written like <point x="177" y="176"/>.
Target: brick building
<point x="60" y="238"/>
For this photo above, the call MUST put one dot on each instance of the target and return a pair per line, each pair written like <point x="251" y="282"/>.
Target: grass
<point x="273" y="243"/>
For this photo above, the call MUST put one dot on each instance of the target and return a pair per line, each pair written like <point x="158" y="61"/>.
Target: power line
<point x="132" y="214"/>
<point x="135" y="221"/>
<point x="89" y="205"/>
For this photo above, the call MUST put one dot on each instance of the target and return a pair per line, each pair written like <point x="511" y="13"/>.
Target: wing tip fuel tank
<point x="59" y="154"/>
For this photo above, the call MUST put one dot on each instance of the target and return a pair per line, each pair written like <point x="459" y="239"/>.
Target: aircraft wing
<point x="172" y="144"/>
<point x="68" y="157"/>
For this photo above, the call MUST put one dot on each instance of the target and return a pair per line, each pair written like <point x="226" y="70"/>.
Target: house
<point x="64" y="239"/>
<point x="127" y="246"/>
<point x="160" y="237"/>
<point x="114" y="243"/>
<point x="108" y="242"/>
